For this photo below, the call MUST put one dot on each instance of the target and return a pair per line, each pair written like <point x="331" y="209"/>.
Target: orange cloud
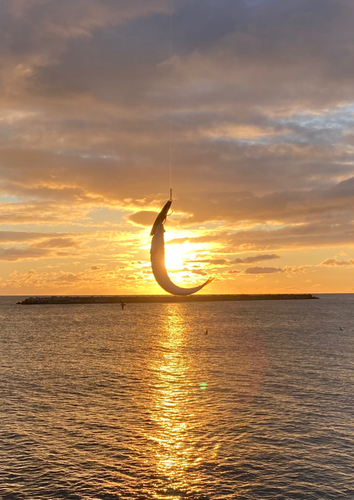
<point x="333" y="261"/>
<point x="263" y="270"/>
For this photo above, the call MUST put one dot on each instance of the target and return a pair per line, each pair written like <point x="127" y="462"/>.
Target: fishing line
<point x="170" y="111"/>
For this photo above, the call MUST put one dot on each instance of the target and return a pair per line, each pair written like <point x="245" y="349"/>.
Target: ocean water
<point x="204" y="401"/>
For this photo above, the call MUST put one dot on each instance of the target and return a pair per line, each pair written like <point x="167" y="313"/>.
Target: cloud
<point x="249" y="52"/>
<point x="38" y="245"/>
<point x="295" y="269"/>
<point x="58" y="243"/>
<point x="333" y="261"/>
<point x="37" y="213"/>
<point x="217" y="47"/>
<point x="263" y="270"/>
<point x="255" y="258"/>
<point x="315" y="235"/>
<point x="200" y="272"/>
<point x="69" y="278"/>
<point x="16" y="254"/>
<point x="214" y="262"/>
<point x="143" y="218"/>
<point x="24" y="236"/>
<point x="89" y="135"/>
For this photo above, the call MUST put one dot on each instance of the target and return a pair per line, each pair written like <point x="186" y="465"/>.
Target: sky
<point x="245" y="107"/>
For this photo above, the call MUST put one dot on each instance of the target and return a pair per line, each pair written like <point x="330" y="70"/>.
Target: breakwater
<point x="119" y="299"/>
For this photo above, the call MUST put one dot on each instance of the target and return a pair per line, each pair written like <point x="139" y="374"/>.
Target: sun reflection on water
<point x="177" y="409"/>
<point x="171" y="396"/>
<point x="191" y="389"/>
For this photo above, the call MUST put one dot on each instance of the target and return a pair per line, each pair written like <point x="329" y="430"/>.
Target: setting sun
<point x="175" y="255"/>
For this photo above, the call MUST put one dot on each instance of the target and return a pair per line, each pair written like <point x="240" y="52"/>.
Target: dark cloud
<point x="263" y="270"/>
<point x="39" y="245"/>
<point x="280" y="206"/>
<point x="255" y="258"/>
<point x="14" y="254"/>
<point x="58" y="243"/>
<point x="200" y="272"/>
<point x="23" y="236"/>
<point x="143" y="218"/>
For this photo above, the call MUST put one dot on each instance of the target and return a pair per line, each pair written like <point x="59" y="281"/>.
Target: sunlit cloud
<point x="333" y="261"/>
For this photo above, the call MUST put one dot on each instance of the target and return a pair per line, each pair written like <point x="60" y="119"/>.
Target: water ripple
<point x="97" y="404"/>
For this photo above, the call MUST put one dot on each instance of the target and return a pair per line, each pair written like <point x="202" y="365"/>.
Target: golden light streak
<point x="171" y="368"/>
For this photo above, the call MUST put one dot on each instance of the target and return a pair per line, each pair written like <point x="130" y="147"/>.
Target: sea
<point x="247" y="400"/>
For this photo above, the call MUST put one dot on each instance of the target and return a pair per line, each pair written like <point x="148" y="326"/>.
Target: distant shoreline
<point x="169" y="299"/>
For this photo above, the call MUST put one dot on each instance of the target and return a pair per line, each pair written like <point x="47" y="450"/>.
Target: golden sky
<point x="259" y="98"/>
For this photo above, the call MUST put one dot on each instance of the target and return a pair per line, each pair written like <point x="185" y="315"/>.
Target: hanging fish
<point x="157" y="255"/>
